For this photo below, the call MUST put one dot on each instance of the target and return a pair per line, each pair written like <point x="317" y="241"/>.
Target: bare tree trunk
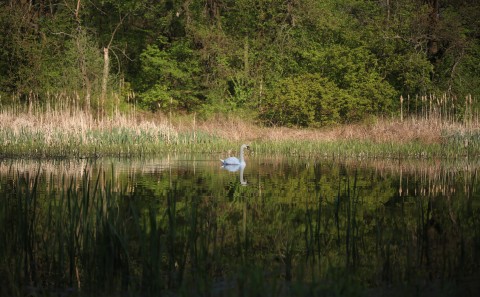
<point x="106" y="64"/>
<point x="246" y="64"/>
<point x="106" y="71"/>
<point x="81" y="41"/>
<point x="77" y="10"/>
<point x="188" y="17"/>
<point x="434" y="18"/>
<point x="388" y="10"/>
<point x="84" y="70"/>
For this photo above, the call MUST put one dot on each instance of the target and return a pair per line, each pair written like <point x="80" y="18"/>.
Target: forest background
<point x="281" y="62"/>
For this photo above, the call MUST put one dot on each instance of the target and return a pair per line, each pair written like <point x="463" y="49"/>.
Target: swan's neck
<point x="242" y="181"/>
<point x="241" y="155"/>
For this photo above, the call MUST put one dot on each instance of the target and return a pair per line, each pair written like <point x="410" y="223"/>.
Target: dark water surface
<point x="184" y="226"/>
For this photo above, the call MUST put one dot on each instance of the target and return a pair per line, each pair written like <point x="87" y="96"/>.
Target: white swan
<point x="234" y="160"/>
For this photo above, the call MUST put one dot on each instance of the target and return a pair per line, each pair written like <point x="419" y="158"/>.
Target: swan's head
<point x="245" y="146"/>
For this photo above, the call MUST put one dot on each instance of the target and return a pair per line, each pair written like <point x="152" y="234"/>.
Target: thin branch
<point x="77" y="10"/>
<point x="62" y="33"/>
<point x="97" y="8"/>
<point x="123" y="53"/>
<point x="68" y="7"/>
<point x="118" y="61"/>
<point x="454" y="67"/>
<point x="115" y="30"/>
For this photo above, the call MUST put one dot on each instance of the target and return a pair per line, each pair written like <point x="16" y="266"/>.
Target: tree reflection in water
<point x="299" y="228"/>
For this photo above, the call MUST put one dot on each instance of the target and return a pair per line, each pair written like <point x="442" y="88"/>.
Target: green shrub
<point x="305" y="100"/>
<point x="355" y="70"/>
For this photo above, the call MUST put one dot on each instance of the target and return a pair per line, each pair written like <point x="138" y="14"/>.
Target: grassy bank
<point x="73" y="133"/>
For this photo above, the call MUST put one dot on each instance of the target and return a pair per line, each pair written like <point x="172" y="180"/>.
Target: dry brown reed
<point x="424" y="119"/>
<point x="55" y="124"/>
<point x="392" y="130"/>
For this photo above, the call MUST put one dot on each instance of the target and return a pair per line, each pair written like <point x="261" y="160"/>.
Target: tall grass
<point x="442" y="108"/>
<point x="428" y="127"/>
<point x="77" y="133"/>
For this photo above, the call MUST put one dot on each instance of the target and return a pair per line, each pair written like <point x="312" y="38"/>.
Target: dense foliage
<point x="291" y="62"/>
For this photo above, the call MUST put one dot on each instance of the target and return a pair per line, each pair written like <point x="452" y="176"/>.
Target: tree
<point x="219" y="55"/>
<point x="168" y="76"/>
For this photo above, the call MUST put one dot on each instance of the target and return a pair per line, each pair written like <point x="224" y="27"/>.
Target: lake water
<point x="181" y="225"/>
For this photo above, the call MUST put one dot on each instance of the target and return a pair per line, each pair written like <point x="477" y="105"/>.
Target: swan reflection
<point x="235" y="168"/>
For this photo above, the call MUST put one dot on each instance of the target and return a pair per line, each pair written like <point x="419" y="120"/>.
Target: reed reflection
<point x="142" y="230"/>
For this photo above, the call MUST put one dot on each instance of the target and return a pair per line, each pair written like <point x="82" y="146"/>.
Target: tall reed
<point x="429" y="126"/>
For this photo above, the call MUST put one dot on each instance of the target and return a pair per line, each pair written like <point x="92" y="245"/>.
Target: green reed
<point x="127" y="144"/>
<point x="113" y="142"/>
<point x="357" y="149"/>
